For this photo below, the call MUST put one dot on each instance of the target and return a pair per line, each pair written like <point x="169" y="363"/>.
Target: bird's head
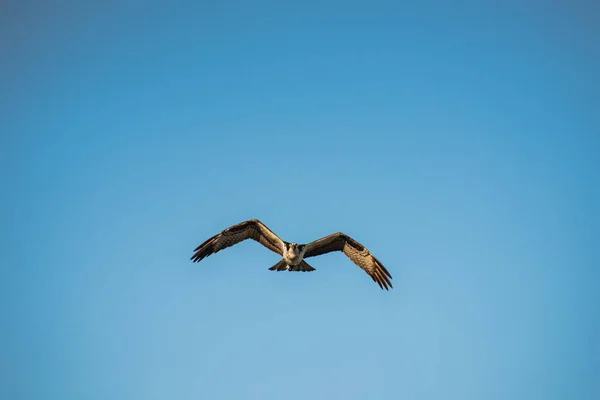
<point x="294" y="248"/>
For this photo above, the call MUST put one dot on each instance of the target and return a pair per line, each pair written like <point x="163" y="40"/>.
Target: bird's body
<point x="294" y="254"/>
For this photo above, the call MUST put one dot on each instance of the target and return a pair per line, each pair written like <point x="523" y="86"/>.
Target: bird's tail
<point x="282" y="266"/>
<point x="303" y="266"/>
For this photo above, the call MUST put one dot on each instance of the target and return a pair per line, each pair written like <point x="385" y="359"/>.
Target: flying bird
<point x="294" y="254"/>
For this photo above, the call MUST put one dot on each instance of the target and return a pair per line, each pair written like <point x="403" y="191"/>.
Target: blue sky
<point x="458" y="142"/>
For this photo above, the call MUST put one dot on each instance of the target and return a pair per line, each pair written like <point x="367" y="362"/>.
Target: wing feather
<point x="355" y="251"/>
<point x="251" y="229"/>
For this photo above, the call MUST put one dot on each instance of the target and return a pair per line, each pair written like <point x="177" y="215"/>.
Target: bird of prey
<point x="294" y="254"/>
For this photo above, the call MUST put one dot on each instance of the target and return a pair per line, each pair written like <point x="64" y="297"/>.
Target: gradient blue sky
<point x="458" y="141"/>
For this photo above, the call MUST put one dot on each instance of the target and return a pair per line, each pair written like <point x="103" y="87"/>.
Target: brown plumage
<point x="294" y="254"/>
<point x="355" y="251"/>
<point x="251" y="229"/>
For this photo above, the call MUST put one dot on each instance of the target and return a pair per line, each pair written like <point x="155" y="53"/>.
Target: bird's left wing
<point x="355" y="251"/>
<point x="251" y="229"/>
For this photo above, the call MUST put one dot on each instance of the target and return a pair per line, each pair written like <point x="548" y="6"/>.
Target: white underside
<point x="293" y="261"/>
<point x="292" y="258"/>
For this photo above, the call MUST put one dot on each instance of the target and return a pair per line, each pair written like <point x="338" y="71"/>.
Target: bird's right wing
<point x="251" y="229"/>
<point x="355" y="251"/>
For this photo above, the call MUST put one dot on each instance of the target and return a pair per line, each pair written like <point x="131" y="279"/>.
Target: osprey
<point x="293" y="253"/>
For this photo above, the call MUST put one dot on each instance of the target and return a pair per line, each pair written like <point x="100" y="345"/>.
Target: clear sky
<point x="458" y="142"/>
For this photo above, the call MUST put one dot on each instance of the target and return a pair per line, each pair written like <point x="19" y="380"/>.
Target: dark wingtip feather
<point x="205" y="242"/>
<point x="380" y="275"/>
<point x="204" y="250"/>
<point x="380" y="265"/>
<point x="385" y="274"/>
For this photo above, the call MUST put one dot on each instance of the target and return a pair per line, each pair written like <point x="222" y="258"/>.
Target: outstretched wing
<point x="358" y="253"/>
<point x="251" y="229"/>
